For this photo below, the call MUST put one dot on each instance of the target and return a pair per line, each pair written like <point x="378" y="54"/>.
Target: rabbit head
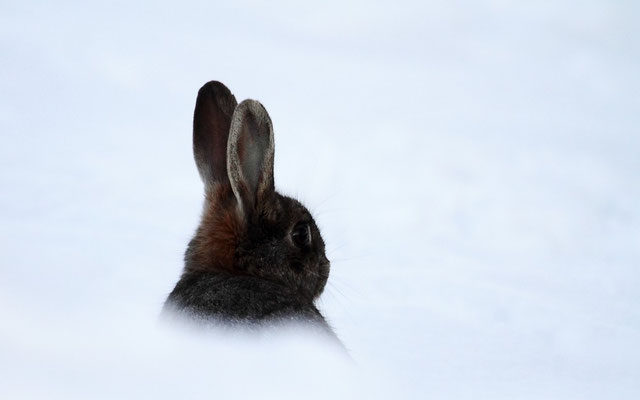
<point x="248" y="228"/>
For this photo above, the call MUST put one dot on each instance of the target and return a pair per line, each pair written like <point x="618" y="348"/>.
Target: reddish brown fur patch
<point x="214" y="245"/>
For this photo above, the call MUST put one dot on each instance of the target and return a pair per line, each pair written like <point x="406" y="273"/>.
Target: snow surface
<point x="474" y="167"/>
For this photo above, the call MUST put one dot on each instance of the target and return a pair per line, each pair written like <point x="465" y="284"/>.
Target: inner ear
<point x="250" y="154"/>
<point x="251" y="145"/>
<point x="211" y="123"/>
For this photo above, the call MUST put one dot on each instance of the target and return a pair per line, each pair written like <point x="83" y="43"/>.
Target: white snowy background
<point x="474" y="167"/>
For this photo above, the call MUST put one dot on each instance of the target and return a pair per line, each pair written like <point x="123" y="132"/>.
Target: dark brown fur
<point x="213" y="246"/>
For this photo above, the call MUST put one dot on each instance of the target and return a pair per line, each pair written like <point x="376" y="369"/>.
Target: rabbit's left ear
<point x="250" y="154"/>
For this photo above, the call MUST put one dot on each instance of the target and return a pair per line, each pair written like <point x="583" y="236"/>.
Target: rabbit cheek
<point x="297" y="267"/>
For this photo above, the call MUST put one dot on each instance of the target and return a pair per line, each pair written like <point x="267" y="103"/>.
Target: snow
<point x="473" y="166"/>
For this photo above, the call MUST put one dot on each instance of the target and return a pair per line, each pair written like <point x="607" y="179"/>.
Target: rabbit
<point x="257" y="257"/>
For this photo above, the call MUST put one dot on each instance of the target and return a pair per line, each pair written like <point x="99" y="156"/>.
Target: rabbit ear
<point x="211" y="123"/>
<point x="250" y="154"/>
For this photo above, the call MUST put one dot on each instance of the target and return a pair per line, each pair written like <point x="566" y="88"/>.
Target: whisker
<point x="338" y="280"/>
<point x="336" y="248"/>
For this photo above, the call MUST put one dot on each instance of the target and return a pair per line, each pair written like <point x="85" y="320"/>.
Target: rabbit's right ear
<point x="250" y="155"/>
<point x="211" y="123"/>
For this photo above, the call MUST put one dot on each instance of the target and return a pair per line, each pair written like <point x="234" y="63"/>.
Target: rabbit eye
<point x="301" y="234"/>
